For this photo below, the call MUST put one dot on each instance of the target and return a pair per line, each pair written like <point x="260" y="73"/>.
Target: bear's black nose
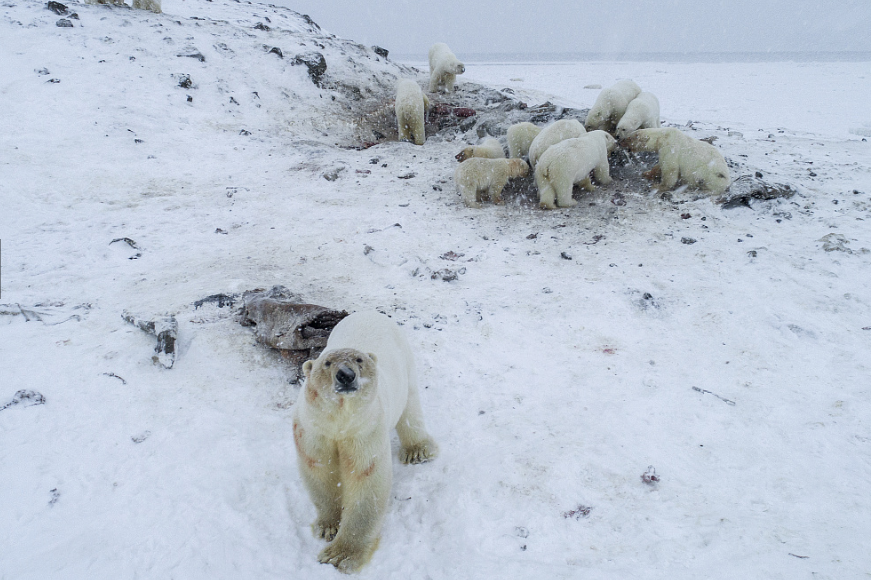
<point x="345" y="375"/>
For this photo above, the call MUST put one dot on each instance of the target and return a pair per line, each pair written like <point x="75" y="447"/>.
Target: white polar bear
<point x="489" y="148"/>
<point x="479" y="177"/>
<point x="411" y="106"/>
<point x="570" y="162"/>
<point x="443" y="68"/>
<point x="610" y="106"/>
<point x="360" y="387"/>
<point x="682" y="158"/>
<point x="642" y="113"/>
<point x="553" y="134"/>
<point x="520" y="137"/>
<point x="153" y="5"/>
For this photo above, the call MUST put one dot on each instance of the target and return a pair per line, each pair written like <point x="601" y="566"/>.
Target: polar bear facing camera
<point x="553" y="134"/>
<point x="570" y="162"/>
<point x="479" y="177"/>
<point x="520" y="137"/>
<point x="610" y="106"/>
<point x="489" y="148"/>
<point x="642" y="113"/>
<point x="360" y="388"/>
<point x="683" y="159"/>
<point x="411" y="106"/>
<point x="443" y="68"/>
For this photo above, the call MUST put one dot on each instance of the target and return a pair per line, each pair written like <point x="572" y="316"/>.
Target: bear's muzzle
<point x="346" y="379"/>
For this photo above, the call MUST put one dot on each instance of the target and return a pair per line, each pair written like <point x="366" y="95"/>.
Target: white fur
<point x="642" y="113"/>
<point x="153" y="5"/>
<point x="520" y="137"/>
<point x="479" y="177"/>
<point x="610" y="105"/>
<point x="411" y="105"/>
<point x="343" y="438"/>
<point x="570" y="162"/>
<point x="443" y="68"/>
<point x="683" y="159"/>
<point x="551" y="135"/>
<point x="489" y="148"/>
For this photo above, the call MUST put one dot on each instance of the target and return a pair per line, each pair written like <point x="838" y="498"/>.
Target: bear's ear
<point x="373" y="357"/>
<point x="307" y="368"/>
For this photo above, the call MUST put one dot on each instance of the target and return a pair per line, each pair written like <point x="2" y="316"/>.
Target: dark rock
<point x="688" y="241"/>
<point x="63" y="23"/>
<point x="25" y="398"/>
<point x="261" y="26"/>
<point x="219" y="300"/>
<point x="310" y="22"/>
<point x="491" y="127"/>
<point x="57" y="8"/>
<point x="166" y="331"/>
<point x="380" y="51"/>
<point x="316" y="64"/>
<point x="276" y="50"/>
<point x="197" y="55"/>
<point x="185" y="82"/>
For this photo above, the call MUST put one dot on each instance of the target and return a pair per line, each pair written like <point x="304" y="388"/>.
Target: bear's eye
<point x="359" y="360"/>
<point x="328" y="363"/>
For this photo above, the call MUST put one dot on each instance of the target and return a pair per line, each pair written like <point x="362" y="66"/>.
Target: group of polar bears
<point x="153" y="5"/>
<point x="564" y="153"/>
<point x="364" y="383"/>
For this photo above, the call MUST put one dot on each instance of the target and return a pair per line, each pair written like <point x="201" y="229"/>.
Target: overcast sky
<point x="551" y="26"/>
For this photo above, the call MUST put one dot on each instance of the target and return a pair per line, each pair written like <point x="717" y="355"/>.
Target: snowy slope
<point x="551" y="383"/>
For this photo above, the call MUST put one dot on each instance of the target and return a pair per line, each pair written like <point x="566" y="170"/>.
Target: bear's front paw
<point x="419" y="452"/>
<point x="568" y="203"/>
<point x="325" y="530"/>
<point x="346" y="558"/>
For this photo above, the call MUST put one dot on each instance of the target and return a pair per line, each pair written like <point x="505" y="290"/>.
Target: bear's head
<point x="466" y="153"/>
<point x="607" y="138"/>
<point x="517" y="168"/>
<point x="596" y="119"/>
<point x="340" y="379"/>
<point x="459" y="68"/>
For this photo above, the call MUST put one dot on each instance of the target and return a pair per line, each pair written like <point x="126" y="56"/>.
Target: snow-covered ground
<point x="576" y="348"/>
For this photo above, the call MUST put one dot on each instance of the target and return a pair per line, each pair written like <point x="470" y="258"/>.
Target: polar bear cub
<point x="520" y="137"/>
<point x="570" y="162"/>
<point x="360" y="388"/>
<point x="443" y="68"/>
<point x="489" y="148"/>
<point x="642" y="113"/>
<point x="479" y="177"/>
<point x="681" y="158"/>
<point x="411" y="106"/>
<point x="553" y="134"/>
<point x="610" y="106"/>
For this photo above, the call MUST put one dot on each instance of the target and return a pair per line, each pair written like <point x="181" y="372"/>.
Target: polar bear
<point x="642" y="113"/>
<point x="682" y="158"/>
<point x="610" y="105"/>
<point x="443" y="68"/>
<point x="411" y="106"/>
<point x="361" y="386"/>
<point x="570" y="162"/>
<point x="153" y="5"/>
<point x="489" y="148"/>
<point x="520" y="137"/>
<point x="478" y="176"/>
<point x="553" y="134"/>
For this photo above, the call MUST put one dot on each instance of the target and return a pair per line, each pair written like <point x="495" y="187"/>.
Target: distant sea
<point x="677" y="57"/>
